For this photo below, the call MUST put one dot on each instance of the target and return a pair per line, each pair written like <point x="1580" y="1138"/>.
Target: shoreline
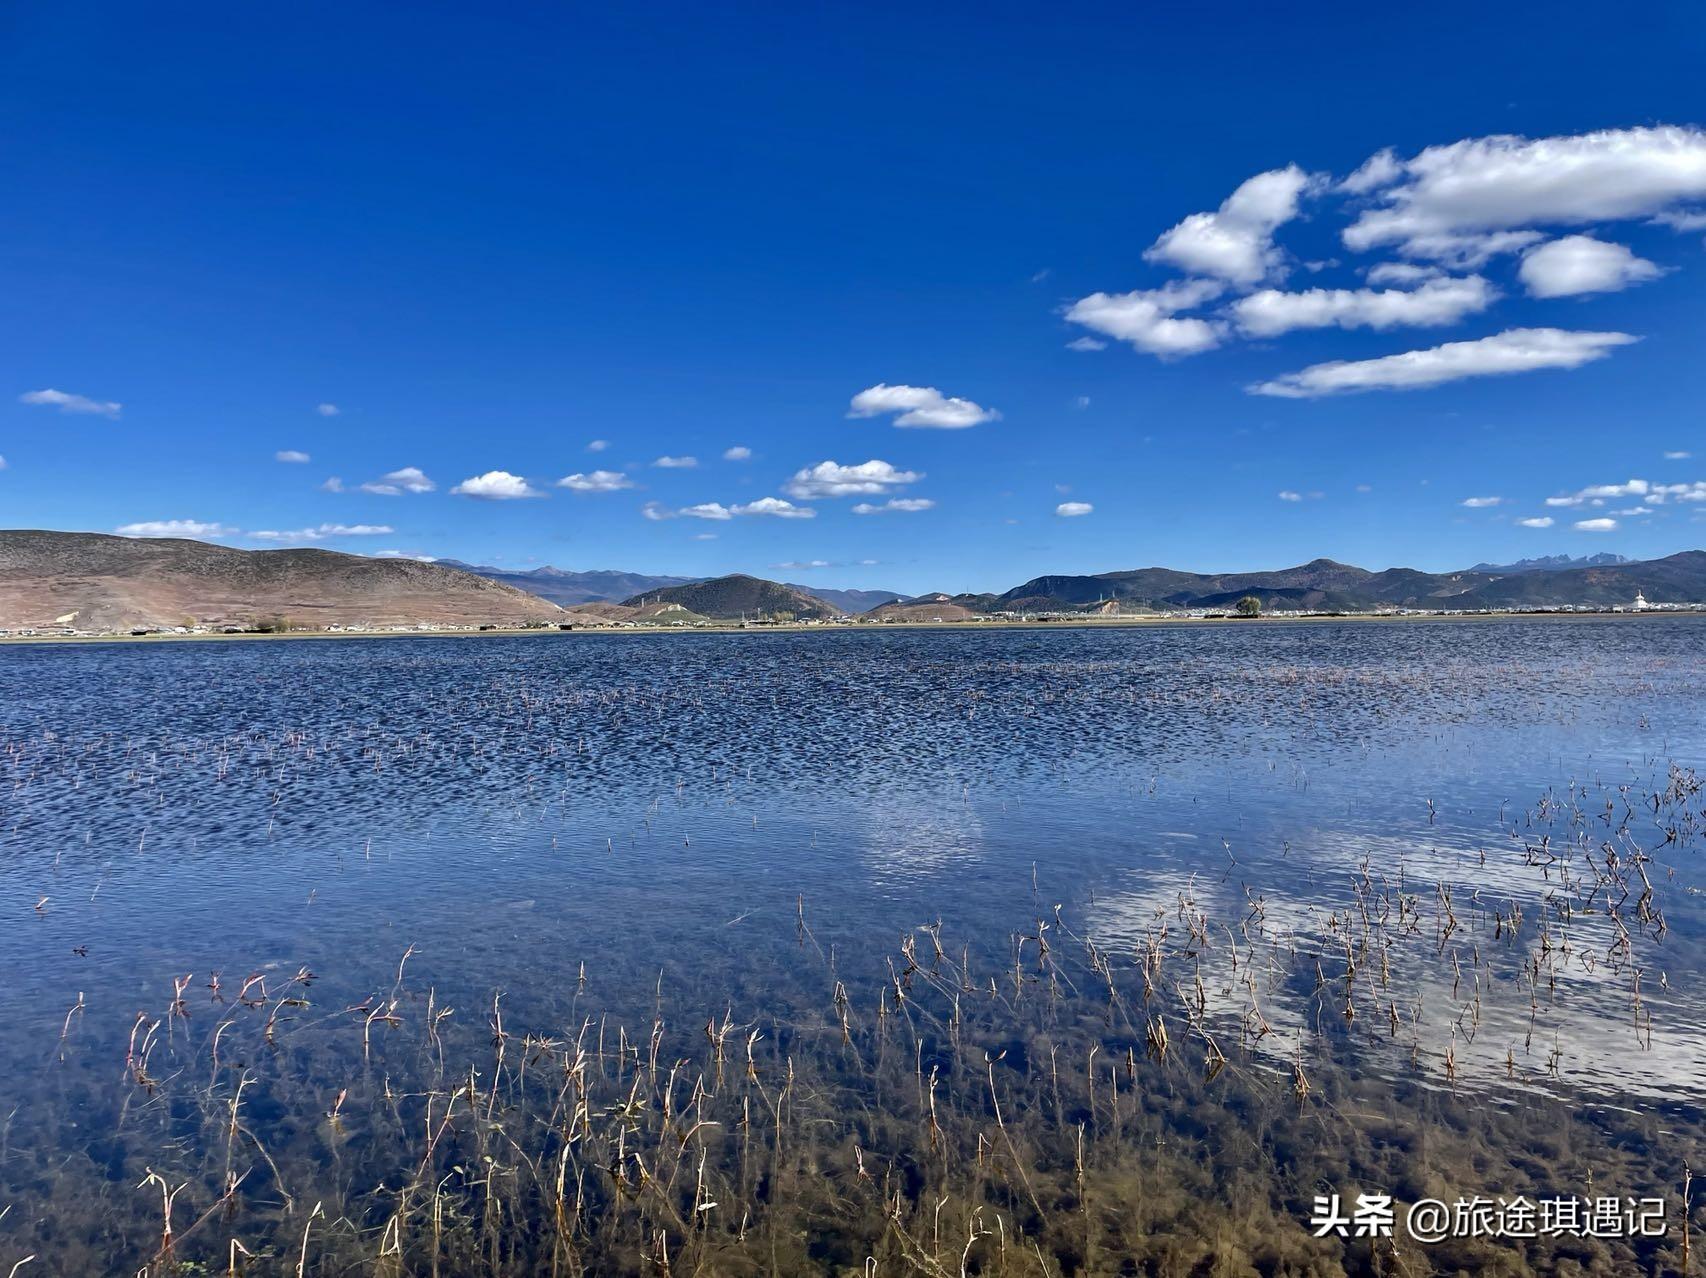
<point x="795" y="628"/>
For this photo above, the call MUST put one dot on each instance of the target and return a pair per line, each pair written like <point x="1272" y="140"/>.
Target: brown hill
<point x="740" y="596"/>
<point x="944" y="610"/>
<point x="598" y="611"/>
<point x="92" y="581"/>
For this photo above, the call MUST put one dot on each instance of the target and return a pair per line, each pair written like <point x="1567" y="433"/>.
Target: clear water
<point x="1391" y="860"/>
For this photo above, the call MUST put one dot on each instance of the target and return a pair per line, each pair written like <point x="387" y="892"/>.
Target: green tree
<point x="1249" y="606"/>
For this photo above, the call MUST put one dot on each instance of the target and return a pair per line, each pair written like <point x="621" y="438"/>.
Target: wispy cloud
<point x="676" y="463"/>
<point x="773" y="507"/>
<point x="832" y="479"/>
<point x="323" y="531"/>
<point x="1481" y="503"/>
<point x="496" y="485"/>
<point x="919" y="406"/>
<point x="66" y="402"/>
<point x="1538" y="521"/>
<point x="291" y="455"/>
<point x="408" y="479"/>
<point x="1518" y="350"/>
<point x="740" y="452"/>
<point x="175" y="528"/>
<point x="895" y="505"/>
<point x="1073" y="509"/>
<point x="1648" y="493"/>
<point x="1594" y="525"/>
<point x="327" y="410"/>
<point x="597" y="481"/>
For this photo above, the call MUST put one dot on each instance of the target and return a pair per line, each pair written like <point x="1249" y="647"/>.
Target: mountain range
<point x="567" y="588"/>
<point x="1325" y="585"/>
<point x="93" y="581"/>
<point x="1321" y="585"/>
<point x="1603" y="560"/>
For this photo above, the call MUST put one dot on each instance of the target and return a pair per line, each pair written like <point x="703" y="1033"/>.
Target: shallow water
<point x="1405" y="864"/>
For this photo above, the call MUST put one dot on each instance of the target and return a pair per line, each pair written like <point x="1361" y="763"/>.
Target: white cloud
<point x="905" y="505"/>
<point x="175" y="528"/>
<point x="1436" y="302"/>
<point x="332" y="485"/>
<point x="408" y="479"/>
<point x="740" y="452"/>
<point x="772" y="506"/>
<point x="326" y="410"/>
<point x="1073" y="509"/>
<point x="2" y="463"/>
<point x="324" y="531"/>
<point x="1658" y="494"/>
<point x="1677" y="454"/>
<point x="803" y="565"/>
<point x="1582" y="264"/>
<point x="1481" y="503"/>
<point x="1594" y="525"/>
<point x="1648" y="494"/>
<point x="66" y="402"/>
<point x="1149" y="320"/>
<point x="597" y="445"/>
<point x="1380" y="169"/>
<point x="1539" y="521"/>
<point x="832" y="479"/>
<point x="1470" y="252"/>
<point x="1503" y="183"/>
<point x="775" y="506"/>
<point x="1235" y="243"/>
<point x="1287" y="494"/>
<point x="1087" y="343"/>
<point x="1518" y="350"/>
<point x="597" y="481"/>
<point x="676" y="463"/>
<point x="291" y="455"/>
<point x="1403" y="273"/>
<point x="1682" y="219"/>
<point x="922" y="406"/>
<point x="496" y="485"/>
<point x="1597" y="494"/>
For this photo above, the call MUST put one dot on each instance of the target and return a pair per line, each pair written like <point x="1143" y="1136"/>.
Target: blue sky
<point x="490" y="240"/>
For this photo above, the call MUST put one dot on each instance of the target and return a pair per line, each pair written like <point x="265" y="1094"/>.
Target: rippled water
<point x="1397" y="855"/>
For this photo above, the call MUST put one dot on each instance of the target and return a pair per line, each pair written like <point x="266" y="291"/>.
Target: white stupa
<point x="1640" y="602"/>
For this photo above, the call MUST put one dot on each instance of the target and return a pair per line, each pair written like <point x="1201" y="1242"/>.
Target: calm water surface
<point x="562" y="816"/>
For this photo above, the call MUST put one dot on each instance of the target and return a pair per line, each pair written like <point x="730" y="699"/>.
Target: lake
<point x="1079" y="951"/>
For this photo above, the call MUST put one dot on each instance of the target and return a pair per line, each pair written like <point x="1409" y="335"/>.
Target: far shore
<point x="800" y="628"/>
